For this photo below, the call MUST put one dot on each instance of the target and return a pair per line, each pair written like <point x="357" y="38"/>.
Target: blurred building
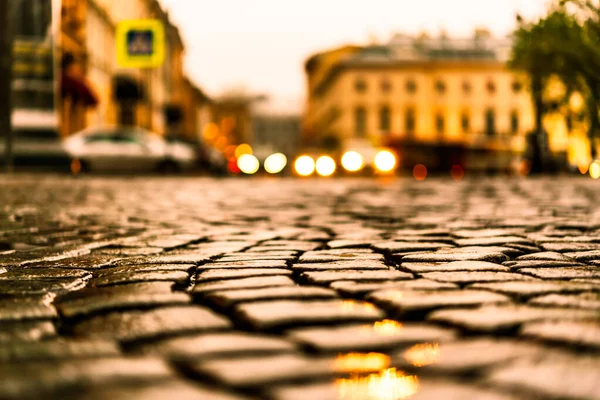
<point x="437" y="100"/>
<point x="157" y="99"/>
<point x="275" y="133"/>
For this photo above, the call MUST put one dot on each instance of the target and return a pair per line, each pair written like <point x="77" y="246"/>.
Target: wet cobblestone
<point x="195" y="288"/>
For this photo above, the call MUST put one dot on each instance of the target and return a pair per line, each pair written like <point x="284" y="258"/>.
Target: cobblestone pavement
<point x="186" y="288"/>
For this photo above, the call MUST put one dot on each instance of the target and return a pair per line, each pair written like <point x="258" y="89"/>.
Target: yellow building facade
<point x="421" y="94"/>
<point x="145" y="97"/>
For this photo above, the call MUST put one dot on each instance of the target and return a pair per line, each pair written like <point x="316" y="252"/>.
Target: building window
<point x="517" y="86"/>
<point x="466" y="87"/>
<point x="384" y="119"/>
<point x="439" y="123"/>
<point x="440" y="87"/>
<point x="360" y="85"/>
<point x="490" y="122"/>
<point x="410" y="121"/>
<point x="514" y="122"/>
<point x="491" y="87"/>
<point x="386" y="86"/>
<point x="465" y="122"/>
<point x="360" y="121"/>
<point x="411" y="86"/>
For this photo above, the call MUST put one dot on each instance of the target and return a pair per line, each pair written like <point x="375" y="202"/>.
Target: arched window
<point x="440" y="123"/>
<point x="386" y="85"/>
<point x="440" y="87"/>
<point x="360" y="122"/>
<point x="360" y="85"/>
<point x="490" y="122"/>
<point x="466" y="87"/>
<point x="491" y="87"/>
<point x="514" y="122"/>
<point x="384" y="119"/>
<point x="465" y="122"/>
<point x="410" y="121"/>
<point x="411" y="86"/>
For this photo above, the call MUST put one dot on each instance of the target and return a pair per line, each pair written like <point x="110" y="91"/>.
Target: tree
<point x="562" y="44"/>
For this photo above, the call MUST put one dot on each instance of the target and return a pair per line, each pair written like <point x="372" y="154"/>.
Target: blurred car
<point x="36" y="143"/>
<point x="125" y="150"/>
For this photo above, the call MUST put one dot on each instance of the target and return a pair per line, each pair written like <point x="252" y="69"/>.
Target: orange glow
<point x="388" y="384"/>
<point x="457" y="173"/>
<point x="583" y="168"/>
<point x="420" y="172"/>
<point x="243" y="149"/>
<point x="233" y="167"/>
<point x="75" y="166"/>
<point x="221" y="142"/>
<point x="361" y="362"/>
<point x="210" y="131"/>
<point x="524" y="168"/>
<point x="229" y="151"/>
<point x="228" y="125"/>
<point x="423" y="354"/>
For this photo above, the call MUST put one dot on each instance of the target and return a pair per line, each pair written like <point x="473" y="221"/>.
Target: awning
<point x="78" y="90"/>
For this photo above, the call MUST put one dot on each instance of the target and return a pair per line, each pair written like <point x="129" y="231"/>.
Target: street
<point x="285" y="289"/>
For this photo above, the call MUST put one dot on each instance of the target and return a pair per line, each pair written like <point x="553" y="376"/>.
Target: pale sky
<point x="262" y="44"/>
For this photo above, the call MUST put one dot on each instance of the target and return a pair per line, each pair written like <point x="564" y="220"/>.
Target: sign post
<point x="6" y="50"/>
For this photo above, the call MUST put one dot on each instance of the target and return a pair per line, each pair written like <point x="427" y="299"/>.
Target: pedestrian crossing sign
<point x="140" y="43"/>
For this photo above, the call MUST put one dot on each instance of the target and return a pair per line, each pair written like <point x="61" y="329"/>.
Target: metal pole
<point x="6" y="51"/>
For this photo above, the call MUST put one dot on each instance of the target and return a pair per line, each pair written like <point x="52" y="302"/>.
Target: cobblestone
<point x="283" y="289"/>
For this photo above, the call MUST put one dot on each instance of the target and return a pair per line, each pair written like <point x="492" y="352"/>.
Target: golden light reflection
<point x="361" y="362"/>
<point x="352" y="161"/>
<point x="423" y="354"/>
<point x="350" y="305"/>
<point x="385" y="161"/>
<point x="387" y="327"/>
<point x="389" y="384"/>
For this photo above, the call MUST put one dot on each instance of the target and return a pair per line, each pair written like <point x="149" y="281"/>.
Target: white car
<point x="122" y="149"/>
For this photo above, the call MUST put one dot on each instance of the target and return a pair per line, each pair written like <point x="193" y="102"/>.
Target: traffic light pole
<point x="6" y="51"/>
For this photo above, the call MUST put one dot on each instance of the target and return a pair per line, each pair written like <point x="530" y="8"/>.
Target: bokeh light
<point x="352" y="161"/>
<point x="248" y="164"/>
<point x="457" y="173"/>
<point x="420" y="172"/>
<point x="233" y="167"/>
<point x="242" y="149"/>
<point x="385" y="161"/>
<point x="304" y="165"/>
<point x="210" y="131"/>
<point x="275" y="163"/>
<point x="595" y="169"/>
<point x="325" y="166"/>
